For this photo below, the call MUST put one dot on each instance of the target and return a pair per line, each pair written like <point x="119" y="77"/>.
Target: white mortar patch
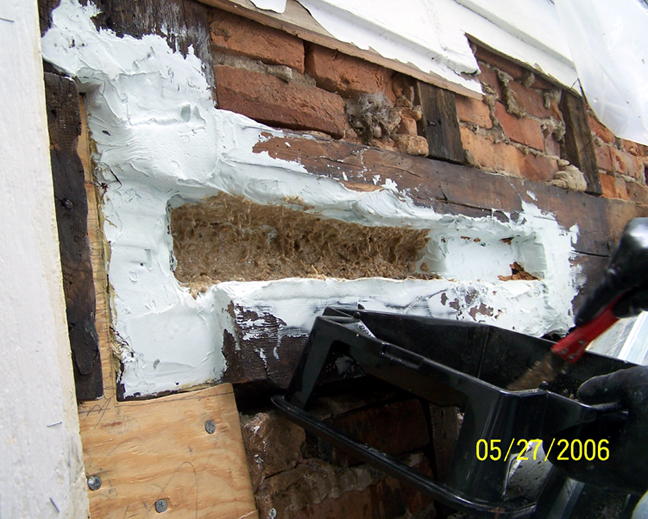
<point x="159" y="138"/>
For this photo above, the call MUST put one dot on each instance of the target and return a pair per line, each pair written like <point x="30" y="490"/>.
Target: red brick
<point x="242" y="36"/>
<point x="631" y="147"/>
<point x="500" y="62"/>
<point x="525" y="131"/>
<point x="270" y="100"/>
<point x="412" y="144"/>
<point x="551" y="145"/>
<point x="473" y="111"/>
<point x="624" y="162"/>
<point x="489" y="77"/>
<point x="603" y="157"/>
<point x="638" y="193"/>
<point x="613" y="187"/>
<point x="489" y="155"/>
<point x="407" y="126"/>
<point x="530" y="100"/>
<point x="599" y="130"/>
<point x="538" y="168"/>
<point x="347" y="75"/>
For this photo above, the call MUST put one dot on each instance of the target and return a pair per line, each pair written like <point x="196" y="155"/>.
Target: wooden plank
<point x="439" y="123"/>
<point x="71" y="218"/>
<point x="155" y="449"/>
<point x="457" y="189"/>
<point x="296" y="20"/>
<point x="149" y="450"/>
<point x="579" y="148"/>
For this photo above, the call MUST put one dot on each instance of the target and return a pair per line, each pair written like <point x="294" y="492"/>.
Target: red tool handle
<point x="572" y="347"/>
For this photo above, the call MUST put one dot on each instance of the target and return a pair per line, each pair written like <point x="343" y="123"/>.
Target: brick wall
<point x="517" y="129"/>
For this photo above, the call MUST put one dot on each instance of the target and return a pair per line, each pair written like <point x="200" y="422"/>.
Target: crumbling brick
<point x="273" y="444"/>
<point x="504" y="64"/>
<point x="412" y="144"/>
<point x="407" y="126"/>
<point x="538" y="167"/>
<point x="346" y="75"/>
<point x="473" y="111"/>
<point x="613" y="187"/>
<point x="484" y="153"/>
<point x="599" y="130"/>
<point x="531" y="101"/>
<point x="603" y="157"/>
<point x="488" y="77"/>
<point x="624" y="162"/>
<point x="523" y="130"/>
<point x="638" y="193"/>
<point x="270" y="100"/>
<point x="242" y="36"/>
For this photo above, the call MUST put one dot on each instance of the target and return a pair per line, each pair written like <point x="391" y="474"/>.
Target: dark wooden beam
<point x="64" y="124"/>
<point x="439" y="123"/>
<point x="578" y="147"/>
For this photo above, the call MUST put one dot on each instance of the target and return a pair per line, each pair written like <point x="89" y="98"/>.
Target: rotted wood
<point x="64" y="123"/>
<point x="183" y="23"/>
<point x="579" y="148"/>
<point x="457" y="189"/>
<point x="439" y="123"/>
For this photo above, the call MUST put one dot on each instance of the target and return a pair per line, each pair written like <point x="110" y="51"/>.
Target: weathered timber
<point x="71" y="216"/>
<point x="457" y="189"/>
<point x="579" y="148"/>
<point x="439" y="123"/>
<point x="183" y="23"/>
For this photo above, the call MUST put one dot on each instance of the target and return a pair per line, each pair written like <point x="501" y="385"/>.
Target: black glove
<point x="627" y="466"/>
<point x="625" y="276"/>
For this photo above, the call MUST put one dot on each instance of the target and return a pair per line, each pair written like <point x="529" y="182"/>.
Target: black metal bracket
<point x="475" y="363"/>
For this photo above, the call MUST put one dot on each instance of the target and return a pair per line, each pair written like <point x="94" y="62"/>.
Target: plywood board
<point x="147" y="450"/>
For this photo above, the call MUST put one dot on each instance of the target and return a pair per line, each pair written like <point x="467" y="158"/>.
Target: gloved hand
<point x="627" y="466"/>
<point x="625" y="276"/>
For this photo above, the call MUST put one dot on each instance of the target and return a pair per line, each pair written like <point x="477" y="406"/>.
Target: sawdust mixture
<point x="228" y="238"/>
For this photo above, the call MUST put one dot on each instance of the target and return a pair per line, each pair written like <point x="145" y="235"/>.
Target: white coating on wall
<point x="41" y="468"/>
<point x="159" y="140"/>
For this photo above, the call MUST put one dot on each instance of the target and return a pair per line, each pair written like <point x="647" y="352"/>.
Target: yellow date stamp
<point x="522" y="449"/>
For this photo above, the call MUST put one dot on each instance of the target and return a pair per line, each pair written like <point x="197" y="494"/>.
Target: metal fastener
<point x="94" y="482"/>
<point x="210" y="427"/>
<point x="161" y="505"/>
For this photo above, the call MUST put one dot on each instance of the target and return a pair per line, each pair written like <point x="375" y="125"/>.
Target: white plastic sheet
<point x="609" y="46"/>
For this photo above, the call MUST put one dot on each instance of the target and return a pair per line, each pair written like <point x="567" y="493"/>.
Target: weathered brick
<point x="603" y="157"/>
<point x="347" y="75"/>
<point x="392" y="428"/>
<point x="270" y="100"/>
<point x="631" y="147"/>
<point x="273" y="444"/>
<point x="489" y="77"/>
<point x="242" y="36"/>
<point x="407" y="126"/>
<point x="551" y="146"/>
<point x="473" y="111"/>
<point x="525" y="130"/>
<point x="613" y="187"/>
<point x="600" y="130"/>
<point x="624" y="162"/>
<point x="638" y="193"/>
<point x="499" y="62"/>
<point x="486" y="154"/>
<point x="412" y="144"/>
<point x="538" y="168"/>
<point x="530" y="100"/>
